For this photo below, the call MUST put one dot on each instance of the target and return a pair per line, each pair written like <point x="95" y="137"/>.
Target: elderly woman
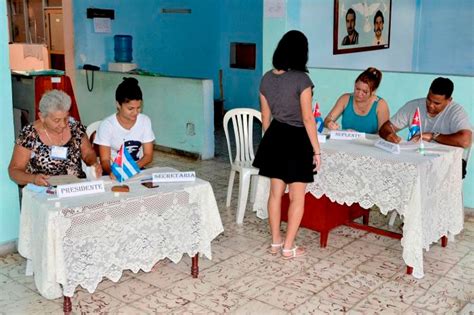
<point x="52" y="145"/>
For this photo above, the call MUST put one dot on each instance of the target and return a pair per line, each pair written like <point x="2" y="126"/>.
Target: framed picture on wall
<point x="361" y="25"/>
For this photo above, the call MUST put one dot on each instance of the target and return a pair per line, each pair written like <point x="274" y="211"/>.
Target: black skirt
<point x="285" y="152"/>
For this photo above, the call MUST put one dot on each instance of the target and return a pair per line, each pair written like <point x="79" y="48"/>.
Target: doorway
<point x="54" y="31"/>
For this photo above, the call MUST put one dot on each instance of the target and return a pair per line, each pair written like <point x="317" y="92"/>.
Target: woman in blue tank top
<point x="362" y="111"/>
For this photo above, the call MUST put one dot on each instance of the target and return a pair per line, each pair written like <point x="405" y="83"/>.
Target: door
<point x="55" y="36"/>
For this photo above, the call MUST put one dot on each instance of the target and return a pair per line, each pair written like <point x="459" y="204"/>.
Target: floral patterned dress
<point x="41" y="161"/>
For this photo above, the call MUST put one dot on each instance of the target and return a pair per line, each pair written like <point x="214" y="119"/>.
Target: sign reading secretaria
<point x="167" y="177"/>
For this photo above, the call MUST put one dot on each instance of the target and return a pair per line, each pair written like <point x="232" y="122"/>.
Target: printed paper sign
<point x="169" y="177"/>
<point x="79" y="189"/>
<point x="322" y="138"/>
<point x="387" y="146"/>
<point x="346" y="135"/>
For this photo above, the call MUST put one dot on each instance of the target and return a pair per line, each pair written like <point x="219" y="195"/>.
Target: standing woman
<point x="362" y="110"/>
<point x="289" y="152"/>
<point x="128" y="126"/>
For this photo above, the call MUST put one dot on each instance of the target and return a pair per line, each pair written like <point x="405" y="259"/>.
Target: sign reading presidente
<point x="174" y="177"/>
<point x="388" y="146"/>
<point x="346" y="135"/>
<point x="84" y="188"/>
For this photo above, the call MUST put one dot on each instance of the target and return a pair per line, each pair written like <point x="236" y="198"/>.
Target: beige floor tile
<point x="417" y="311"/>
<point x="163" y="276"/>
<point x="306" y="282"/>
<point x="436" y="266"/>
<point x="159" y="302"/>
<point x="193" y="308"/>
<point x="329" y="270"/>
<point x="276" y="272"/>
<point x="378" y="304"/>
<point x="283" y="297"/>
<point x="128" y="310"/>
<point x="240" y="243"/>
<point x="438" y="303"/>
<point x="346" y="231"/>
<point x="362" y="281"/>
<point x="342" y="294"/>
<point x="348" y="259"/>
<point x="316" y="305"/>
<point x="462" y="273"/>
<point x="445" y="254"/>
<point x="221" y="274"/>
<point x="191" y="289"/>
<point x="338" y="241"/>
<point x="130" y="290"/>
<point x="379" y="240"/>
<point x="425" y="283"/>
<point x="401" y="292"/>
<point x="250" y="286"/>
<point x="244" y="262"/>
<point x="360" y="246"/>
<point x="98" y="302"/>
<point x="454" y="288"/>
<point x="384" y="269"/>
<point x="468" y="260"/>
<point x="36" y="305"/>
<point x="11" y="259"/>
<point x="222" y="301"/>
<point x="255" y="307"/>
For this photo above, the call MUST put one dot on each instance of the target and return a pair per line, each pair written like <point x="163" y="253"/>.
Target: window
<point x="242" y="55"/>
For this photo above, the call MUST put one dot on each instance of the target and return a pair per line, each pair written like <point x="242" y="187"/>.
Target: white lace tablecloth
<point x="425" y="190"/>
<point x="83" y="239"/>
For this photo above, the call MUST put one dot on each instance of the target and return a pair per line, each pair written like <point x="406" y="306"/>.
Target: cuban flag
<point x="318" y="118"/>
<point x="124" y="166"/>
<point x="415" y="126"/>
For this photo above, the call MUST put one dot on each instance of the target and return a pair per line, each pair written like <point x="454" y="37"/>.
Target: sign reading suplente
<point x="346" y="135"/>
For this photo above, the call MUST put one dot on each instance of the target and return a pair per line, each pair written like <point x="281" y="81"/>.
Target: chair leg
<point x="393" y="216"/>
<point x="243" y="195"/>
<point x="253" y="187"/>
<point x="444" y="241"/>
<point x="230" y="186"/>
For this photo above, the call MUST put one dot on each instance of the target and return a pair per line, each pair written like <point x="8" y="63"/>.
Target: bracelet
<point x="435" y="135"/>
<point x="316" y="153"/>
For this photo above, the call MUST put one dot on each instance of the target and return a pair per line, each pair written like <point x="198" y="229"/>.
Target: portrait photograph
<point x="361" y="25"/>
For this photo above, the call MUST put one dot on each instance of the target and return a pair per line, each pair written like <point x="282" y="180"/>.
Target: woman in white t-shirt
<point x="128" y="126"/>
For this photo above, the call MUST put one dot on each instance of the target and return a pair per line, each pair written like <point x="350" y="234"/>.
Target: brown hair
<point x="372" y="77"/>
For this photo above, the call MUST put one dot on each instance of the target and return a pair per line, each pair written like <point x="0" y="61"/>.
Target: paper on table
<point x="410" y="145"/>
<point x="63" y="180"/>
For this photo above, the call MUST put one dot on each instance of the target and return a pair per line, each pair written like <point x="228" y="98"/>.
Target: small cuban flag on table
<point x="318" y="118"/>
<point x="415" y="126"/>
<point x="124" y="166"/>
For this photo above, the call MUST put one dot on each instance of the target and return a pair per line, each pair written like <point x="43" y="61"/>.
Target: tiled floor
<point x="358" y="273"/>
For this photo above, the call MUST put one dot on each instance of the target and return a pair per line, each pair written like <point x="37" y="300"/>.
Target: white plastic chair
<point x="90" y="173"/>
<point x="242" y="122"/>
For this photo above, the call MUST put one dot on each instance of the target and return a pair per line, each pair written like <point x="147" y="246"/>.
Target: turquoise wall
<point x="396" y="87"/>
<point x="171" y="104"/>
<point x="445" y="32"/>
<point x="192" y="45"/>
<point x="9" y="203"/>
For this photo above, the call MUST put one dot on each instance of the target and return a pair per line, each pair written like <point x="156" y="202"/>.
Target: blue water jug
<point x="123" y="48"/>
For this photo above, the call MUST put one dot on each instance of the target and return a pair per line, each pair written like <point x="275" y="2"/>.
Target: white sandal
<point x="275" y="248"/>
<point x="294" y="252"/>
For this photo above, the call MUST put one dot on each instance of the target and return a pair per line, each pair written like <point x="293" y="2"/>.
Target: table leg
<point x="409" y="270"/>
<point x="67" y="305"/>
<point x="195" y="266"/>
<point x="444" y="241"/>
<point x="323" y="242"/>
